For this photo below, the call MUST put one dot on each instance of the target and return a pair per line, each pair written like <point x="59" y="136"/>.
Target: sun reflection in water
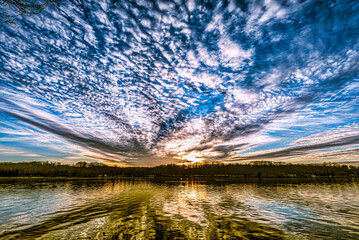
<point x="183" y="210"/>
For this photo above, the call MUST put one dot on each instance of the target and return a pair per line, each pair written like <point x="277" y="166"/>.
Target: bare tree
<point x="9" y="9"/>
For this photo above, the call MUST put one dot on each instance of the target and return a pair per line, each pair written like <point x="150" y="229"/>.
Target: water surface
<point x="101" y="209"/>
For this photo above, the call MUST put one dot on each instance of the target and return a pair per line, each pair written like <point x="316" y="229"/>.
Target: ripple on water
<point x="125" y="210"/>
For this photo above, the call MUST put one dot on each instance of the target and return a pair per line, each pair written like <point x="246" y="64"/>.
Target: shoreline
<point x="190" y="179"/>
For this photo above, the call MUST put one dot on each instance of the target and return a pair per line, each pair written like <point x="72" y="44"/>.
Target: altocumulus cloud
<point x="151" y="82"/>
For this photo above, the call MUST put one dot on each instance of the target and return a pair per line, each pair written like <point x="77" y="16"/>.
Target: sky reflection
<point x="187" y="210"/>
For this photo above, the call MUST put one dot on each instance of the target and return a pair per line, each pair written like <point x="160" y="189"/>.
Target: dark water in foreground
<point x="143" y="210"/>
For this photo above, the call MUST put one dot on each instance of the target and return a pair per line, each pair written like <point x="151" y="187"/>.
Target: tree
<point x="81" y="164"/>
<point x="10" y="9"/>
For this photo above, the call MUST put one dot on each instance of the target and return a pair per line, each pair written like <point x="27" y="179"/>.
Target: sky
<point x="145" y="83"/>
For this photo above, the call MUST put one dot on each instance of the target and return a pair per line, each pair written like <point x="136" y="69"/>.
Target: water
<point x="96" y="209"/>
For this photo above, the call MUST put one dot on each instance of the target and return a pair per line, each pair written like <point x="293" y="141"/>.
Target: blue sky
<point x="154" y="82"/>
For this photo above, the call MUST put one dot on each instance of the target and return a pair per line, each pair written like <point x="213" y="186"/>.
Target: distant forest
<point x="248" y="170"/>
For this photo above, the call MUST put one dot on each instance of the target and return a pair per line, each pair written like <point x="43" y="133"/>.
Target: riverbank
<point x="257" y="172"/>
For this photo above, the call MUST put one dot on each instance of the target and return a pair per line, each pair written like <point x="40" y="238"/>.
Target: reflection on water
<point x="144" y="210"/>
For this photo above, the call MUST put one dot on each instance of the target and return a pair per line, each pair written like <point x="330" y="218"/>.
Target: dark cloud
<point x="90" y="143"/>
<point x="303" y="149"/>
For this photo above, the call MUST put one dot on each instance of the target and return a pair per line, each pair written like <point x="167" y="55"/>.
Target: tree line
<point x="255" y="169"/>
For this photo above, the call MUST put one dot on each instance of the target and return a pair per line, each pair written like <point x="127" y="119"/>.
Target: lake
<point x="113" y="209"/>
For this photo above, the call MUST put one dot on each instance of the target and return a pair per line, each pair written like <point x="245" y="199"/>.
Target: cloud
<point x="90" y="143"/>
<point x="149" y="81"/>
<point x="302" y="149"/>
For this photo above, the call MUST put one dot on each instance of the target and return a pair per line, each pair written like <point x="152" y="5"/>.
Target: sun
<point x="192" y="157"/>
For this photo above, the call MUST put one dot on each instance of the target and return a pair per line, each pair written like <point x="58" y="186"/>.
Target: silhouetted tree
<point x="9" y="9"/>
<point x="250" y="170"/>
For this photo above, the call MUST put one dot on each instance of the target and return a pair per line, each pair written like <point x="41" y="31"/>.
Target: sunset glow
<point x="145" y="83"/>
